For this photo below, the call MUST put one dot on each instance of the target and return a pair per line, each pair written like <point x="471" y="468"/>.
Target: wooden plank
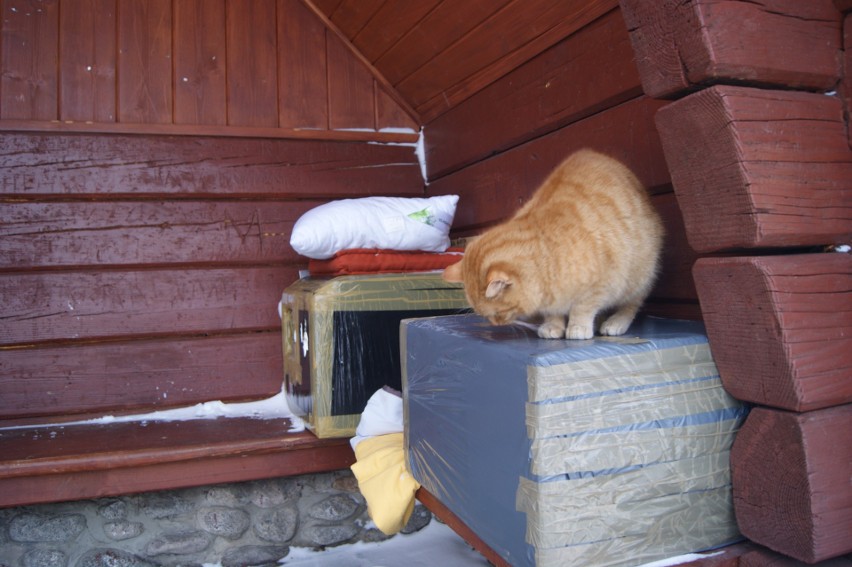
<point x="675" y="280"/>
<point x="790" y="475"/>
<point x="478" y="60"/>
<point x="302" y="74"/>
<point x="84" y="462"/>
<point x="761" y="557"/>
<point x="141" y="375"/>
<point x="145" y="61"/>
<point x="757" y="168"/>
<point x="389" y="23"/>
<point x="542" y="95"/>
<point x="350" y="89"/>
<point x="87" y="305"/>
<point x="352" y="15"/>
<point x="389" y="115"/>
<point x="845" y="89"/>
<point x="491" y="190"/>
<point x="326" y="6"/>
<point x="87" y="67"/>
<point x="199" y="62"/>
<point x="843" y="5"/>
<point x="780" y="327"/>
<point x="29" y="60"/>
<point x="684" y="45"/>
<point x="442" y="27"/>
<point x="448" y="517"/>
<point x="84" y="233"/>
<point x="252" y="82"/>
<point x="37" y="165"/>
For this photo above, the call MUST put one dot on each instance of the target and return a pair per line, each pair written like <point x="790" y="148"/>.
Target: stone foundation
<point x="235" y="525"/>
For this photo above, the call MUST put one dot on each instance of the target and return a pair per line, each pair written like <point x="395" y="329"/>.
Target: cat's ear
<point x="453" y="273"/>
<point x="498" y="281"/>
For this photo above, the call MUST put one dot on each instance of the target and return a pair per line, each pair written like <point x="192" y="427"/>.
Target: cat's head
<point x="493" y="291"/>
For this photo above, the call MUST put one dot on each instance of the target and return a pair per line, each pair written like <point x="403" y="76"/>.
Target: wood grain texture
<point x="89" y="305"/>
<point x="350" y="89"/>
<point x="28" y="69"/>
<point x="683" y="45"/>
<point x="845" y="88"/>
<point x="757" y="168"/>
<point x="790" y="475"/>
<point x="762" y="557"/>
<point x="144" y="83"/>
<point x="83" y="462"/>
<point x="505" y="41"/>
<point x="199" y="62"/>
<point x="588" y="72"/>
<point x="302" y="67"/>
<point x="138" y="375"/>
<point x="252" y="51"/>
<point x="38" y="165"/>
<point x="491" y="190"/>
<point x="388" y="24"/>
<point x="780" y="327"/>
<point x="88" y="63"/>
<point x="147" y="232"/>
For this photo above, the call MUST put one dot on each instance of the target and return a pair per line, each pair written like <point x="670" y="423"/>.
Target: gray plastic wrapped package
<point x="611" y="451"/>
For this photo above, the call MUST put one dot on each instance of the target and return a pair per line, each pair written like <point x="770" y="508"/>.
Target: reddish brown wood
<point x="843" y="5"/>
<point x="757" y="168"/>
<point x="148" y="232"/>
<point x="350" y="89"/>
<point x="88" y="63"/>
<point x="199" y="66"/>
<point x="140" y="375"/>
<point x="28" y="69"/>
<point x="845" y="89"/>
<point x="448" y="517"/>
<point x="491" y="190"/>
<point x="505" y="41"/>
<point x="443" y="26"/>
<point x="145" y="61"/>
<point x="352" y="15"/>
<point x="726" y="557"/>
<point x="302" y="73"/>
<point x="790" y="474"/>
<point x="69" y="165"/>
<point x="540" y="96"/>
<point x="390" y="115"/>
<point x="251" y="31"/>
<point x="683" y="45"/>
<point x="761" y="557"/>
<point x="388" y="24"/>
<point x="69" y="463"/>
<point x="97" y="304"/>
<point x="779" y="327"/>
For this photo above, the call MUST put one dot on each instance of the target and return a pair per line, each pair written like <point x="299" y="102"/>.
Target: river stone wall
<point x="235" y="525"/>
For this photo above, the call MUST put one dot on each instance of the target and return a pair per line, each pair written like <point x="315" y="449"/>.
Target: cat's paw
<point x="615" y="326"/>
<point x="551" y="330"/>
<point x="579" y="332"/>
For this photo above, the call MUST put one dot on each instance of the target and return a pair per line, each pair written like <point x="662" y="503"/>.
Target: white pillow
<point x="393" y="223"/>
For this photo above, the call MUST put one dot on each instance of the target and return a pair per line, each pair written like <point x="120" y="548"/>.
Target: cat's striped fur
<point x="587" y="242"/>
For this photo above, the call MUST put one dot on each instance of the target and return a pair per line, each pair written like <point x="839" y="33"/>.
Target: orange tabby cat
<point x="588" y="241"/>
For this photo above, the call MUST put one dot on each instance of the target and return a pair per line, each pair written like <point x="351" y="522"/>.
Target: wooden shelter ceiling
<point x="437" y="53"/>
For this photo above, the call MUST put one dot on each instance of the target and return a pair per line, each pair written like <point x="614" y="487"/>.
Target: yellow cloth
<point x="386" y="485"/>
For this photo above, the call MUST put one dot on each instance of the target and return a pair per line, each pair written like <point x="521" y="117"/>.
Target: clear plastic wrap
<point x="611" y="451"/>
<point x="341" y="340"/>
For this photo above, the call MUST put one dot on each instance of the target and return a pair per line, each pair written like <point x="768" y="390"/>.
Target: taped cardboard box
<point x="341" y="340"/>
<point x="611" y="451"/>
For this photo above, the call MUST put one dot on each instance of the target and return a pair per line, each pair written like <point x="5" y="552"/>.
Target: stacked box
<point x="611" y="451"/>
<point x="341" y="340"/>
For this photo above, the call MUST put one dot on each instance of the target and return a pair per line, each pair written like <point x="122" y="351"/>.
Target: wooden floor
<point x="73" y="462"/>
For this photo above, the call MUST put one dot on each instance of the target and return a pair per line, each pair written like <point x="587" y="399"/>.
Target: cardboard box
<point x="610" y="451"/>
<point x="341" y="340"/>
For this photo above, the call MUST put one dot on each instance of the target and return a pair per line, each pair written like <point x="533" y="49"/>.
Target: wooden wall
<point x="265" y="65"/>
<point x="154" y="155"/>
<point x="496" y="147"/>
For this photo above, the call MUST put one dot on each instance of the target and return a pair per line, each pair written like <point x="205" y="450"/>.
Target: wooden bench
<point x="71" y="462"/>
